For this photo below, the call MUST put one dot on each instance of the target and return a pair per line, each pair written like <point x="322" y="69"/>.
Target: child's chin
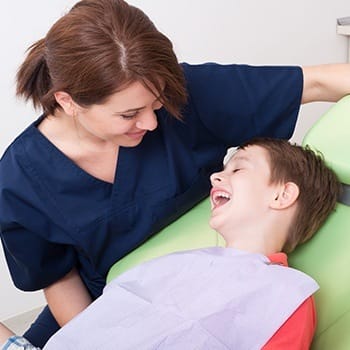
<point x="213" y="223"/>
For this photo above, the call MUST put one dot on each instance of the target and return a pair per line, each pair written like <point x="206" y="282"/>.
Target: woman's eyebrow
<point x="137" y="108"/>
<point x="131" y="110"/>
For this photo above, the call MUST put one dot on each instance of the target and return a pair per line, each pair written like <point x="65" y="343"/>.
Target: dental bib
<point x="213" y="298"/>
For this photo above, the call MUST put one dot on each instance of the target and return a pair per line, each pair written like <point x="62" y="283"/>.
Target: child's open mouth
<point x="219" y="198"/>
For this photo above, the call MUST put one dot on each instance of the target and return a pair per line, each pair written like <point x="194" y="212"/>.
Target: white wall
<point x="299" y="32"/>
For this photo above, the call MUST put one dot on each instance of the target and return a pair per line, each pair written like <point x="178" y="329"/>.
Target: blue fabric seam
<point x="49" y="196"/>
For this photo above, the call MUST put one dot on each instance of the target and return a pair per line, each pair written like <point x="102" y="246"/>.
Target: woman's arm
<point x="327" y="82"/>
<point x="5" y="333"/>
<point x="67" y="297"/>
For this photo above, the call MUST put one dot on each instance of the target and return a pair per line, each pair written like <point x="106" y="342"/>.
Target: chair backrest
<point x="190" y="231"/>
<point x="325" y="257"/>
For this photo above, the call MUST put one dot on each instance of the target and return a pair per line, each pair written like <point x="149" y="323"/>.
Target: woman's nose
<point x="148" y="121"/>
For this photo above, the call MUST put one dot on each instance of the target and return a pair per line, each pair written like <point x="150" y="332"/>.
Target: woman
<point x="125" y="145"/>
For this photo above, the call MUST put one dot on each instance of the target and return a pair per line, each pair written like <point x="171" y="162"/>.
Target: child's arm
<point x="67" y="297"/>
<point x="297" y="332"/>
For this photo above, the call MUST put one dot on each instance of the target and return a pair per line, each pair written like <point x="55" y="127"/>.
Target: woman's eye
<point x="235" y="170"/>
<point x="128" y="116"/>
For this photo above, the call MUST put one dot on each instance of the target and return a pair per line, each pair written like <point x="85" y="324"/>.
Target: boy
<point x="270" y="197"/>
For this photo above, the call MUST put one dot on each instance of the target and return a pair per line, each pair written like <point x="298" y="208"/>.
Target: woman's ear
<point x="66" y="102"/>
<point x="286" y="195"/>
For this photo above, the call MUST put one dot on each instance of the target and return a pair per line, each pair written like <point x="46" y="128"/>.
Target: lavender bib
<point x="215" y="298"/>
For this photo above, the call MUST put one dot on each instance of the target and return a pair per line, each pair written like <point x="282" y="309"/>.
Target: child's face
<point x="242" y="192"/>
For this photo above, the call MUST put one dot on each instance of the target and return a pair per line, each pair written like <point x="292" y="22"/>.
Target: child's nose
<point x="215" y="178"/>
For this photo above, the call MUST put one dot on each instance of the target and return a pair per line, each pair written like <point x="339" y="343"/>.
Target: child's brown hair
<point x="318" y="185"/>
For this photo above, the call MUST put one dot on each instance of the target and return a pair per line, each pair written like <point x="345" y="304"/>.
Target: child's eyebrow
<point x="235" y="159"/>
<point x="240" y="158"/>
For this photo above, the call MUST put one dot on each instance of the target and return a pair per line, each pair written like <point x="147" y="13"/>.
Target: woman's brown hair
<point x="318" y="185"/>
<point x="98" y="48"/>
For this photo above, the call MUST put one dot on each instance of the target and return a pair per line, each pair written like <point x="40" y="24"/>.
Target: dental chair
<point x="326" y="257"/>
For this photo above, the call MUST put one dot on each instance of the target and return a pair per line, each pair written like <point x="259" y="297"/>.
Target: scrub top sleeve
<point x="238" y="102"/>
<point x="35" y="263"/>
<point x="36" y="244"/>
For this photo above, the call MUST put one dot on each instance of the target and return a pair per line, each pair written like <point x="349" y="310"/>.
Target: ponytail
<point x="96" y="49"/>
<point x="33" y="78"/>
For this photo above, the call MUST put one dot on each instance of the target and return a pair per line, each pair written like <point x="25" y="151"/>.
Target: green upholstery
<point x="188" y="232"/>
<point x="325" y="257"/>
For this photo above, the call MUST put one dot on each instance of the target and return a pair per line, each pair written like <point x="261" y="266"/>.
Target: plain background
<point x="298" y="32"/>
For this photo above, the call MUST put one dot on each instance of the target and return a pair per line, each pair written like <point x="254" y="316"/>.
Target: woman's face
<point x="123" y="120"/>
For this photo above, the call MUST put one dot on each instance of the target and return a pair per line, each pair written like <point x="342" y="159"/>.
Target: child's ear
<point x="286" y="195"/>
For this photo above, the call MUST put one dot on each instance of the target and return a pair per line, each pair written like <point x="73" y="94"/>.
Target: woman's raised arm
<point x="327" y="82"/>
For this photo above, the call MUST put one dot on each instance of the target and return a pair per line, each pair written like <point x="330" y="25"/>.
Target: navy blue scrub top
<point x="55" y="216"/>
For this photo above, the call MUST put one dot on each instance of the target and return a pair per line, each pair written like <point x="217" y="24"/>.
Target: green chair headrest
<point x="326" y="257"/>
<point x="331" y="136"/>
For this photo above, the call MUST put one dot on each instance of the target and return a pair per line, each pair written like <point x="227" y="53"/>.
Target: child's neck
<point x="258" y="249"/>
<point x="263" y="244"/>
